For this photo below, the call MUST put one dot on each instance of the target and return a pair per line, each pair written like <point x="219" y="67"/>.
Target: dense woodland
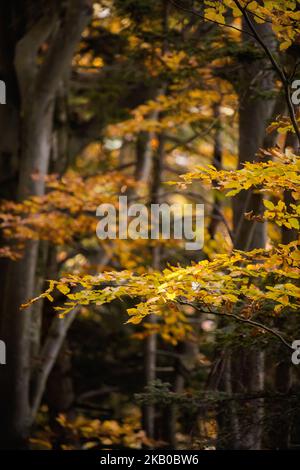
<point x="123" y="343"/>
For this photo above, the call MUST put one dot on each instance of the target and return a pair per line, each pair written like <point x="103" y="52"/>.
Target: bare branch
<point x="196" y="13"/>
<point x="280" y="72"/>
<point x="50" y="351"/>
<point x="247" y="321"/>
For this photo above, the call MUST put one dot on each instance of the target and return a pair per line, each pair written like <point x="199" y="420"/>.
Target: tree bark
<point x="247" y="366"/>
<point x="38" y="87"/>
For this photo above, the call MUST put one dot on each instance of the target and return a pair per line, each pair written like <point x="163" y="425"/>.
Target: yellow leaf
<point x="294" y="223"/>
<point x="268" y="204"/>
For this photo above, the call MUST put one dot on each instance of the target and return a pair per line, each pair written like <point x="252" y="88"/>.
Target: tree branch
<point x="280" y="72"/>
<point x="49" y="354"/>
<point x="196" y="13"/>
<point x="247" y="321"/>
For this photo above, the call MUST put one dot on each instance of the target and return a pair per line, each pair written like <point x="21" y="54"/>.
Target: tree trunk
<point x="247" y="371"/>
<point x="38" y="87"/>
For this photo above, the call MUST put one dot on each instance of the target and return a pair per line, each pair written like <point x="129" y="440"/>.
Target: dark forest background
<point x="119" y="97"/>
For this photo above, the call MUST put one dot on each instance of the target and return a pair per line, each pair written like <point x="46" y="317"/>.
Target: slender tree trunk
<point x="157" y="170"/>
<point x="217" y="162"/>
<point x="247" y="366"/>
<point x="280" y="422"/>
<point x="151" y="341"/>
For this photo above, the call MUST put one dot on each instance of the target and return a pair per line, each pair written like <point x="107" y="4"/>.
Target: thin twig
<point x="196" y="13"/>
<point x="252" y="323"/>
<point x="280" y="72"/>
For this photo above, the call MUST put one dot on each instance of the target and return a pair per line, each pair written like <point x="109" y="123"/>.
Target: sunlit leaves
<point x="66" y="212"/>
<point x="272" y="176"/>
<point x="226" y="282"/>
<point x="178" y="109"/>
<point x="281" y="14"/>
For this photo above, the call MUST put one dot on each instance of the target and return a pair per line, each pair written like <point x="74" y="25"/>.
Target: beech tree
<point x="176" y="102"/>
